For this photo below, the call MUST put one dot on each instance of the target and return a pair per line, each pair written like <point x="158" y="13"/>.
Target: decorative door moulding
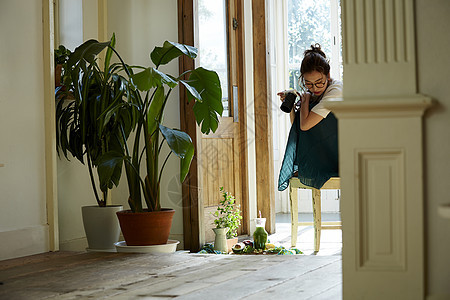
<point x="381" y="152"/>
<point x="378" y="45"/>
<point x="381" y="169"/>
<point x="380" y="245"/>
<point x="381" y="31"/>
<point x="379" y="107"/>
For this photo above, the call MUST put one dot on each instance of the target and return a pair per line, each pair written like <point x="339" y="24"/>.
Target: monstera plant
<point x="147" y="91"/>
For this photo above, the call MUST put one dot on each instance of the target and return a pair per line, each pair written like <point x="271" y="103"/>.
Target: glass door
<point x="222" y="155"/>
<point x="212" y="42"/>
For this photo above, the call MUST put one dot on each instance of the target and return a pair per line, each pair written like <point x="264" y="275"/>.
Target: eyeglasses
<point x="310" y="85"/>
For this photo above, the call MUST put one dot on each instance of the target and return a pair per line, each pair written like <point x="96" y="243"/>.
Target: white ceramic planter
<point x="220" y="242"/>
<point x="170" y="247"/>
<point x="101" y="227"/>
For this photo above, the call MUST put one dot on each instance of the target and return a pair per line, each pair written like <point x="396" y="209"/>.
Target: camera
<point x="288" y="102"/>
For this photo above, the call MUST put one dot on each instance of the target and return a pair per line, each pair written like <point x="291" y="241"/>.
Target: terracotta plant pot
<point x="231" y="243"/>
<point x="146" y="228"/>
<point x="58" y="70"/>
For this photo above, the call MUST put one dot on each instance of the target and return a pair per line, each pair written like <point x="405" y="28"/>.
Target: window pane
<point x="308" y="24"/>
<point x="213" y="42"/>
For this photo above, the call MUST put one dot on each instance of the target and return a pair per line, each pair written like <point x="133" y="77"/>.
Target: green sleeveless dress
<point x="312" y="154"/>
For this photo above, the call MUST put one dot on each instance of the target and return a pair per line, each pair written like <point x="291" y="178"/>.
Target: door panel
<point x="220" y="168"/>
<point x="222" y="161"/>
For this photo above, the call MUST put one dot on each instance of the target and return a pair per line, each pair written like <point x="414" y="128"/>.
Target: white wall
<point x="139" y="27"/>
<point x="70" y="23"/>
<point x="433" y="63"/>
<point x="23" y="222"/>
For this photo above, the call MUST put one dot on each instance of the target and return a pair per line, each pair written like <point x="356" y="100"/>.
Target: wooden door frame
<point x="50" y="126"/>
<point x="265" y="192"/>
<point x="192" y="216"/>
<point x="237" y="61"/>
<point x="193" y="227"/>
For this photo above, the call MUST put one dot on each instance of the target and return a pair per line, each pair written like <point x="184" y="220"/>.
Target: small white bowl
<point x="170" y="247"/>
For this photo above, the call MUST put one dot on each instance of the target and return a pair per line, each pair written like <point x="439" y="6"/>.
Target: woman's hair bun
<point x="314" y="60"/>
<point x="315" y="49"/>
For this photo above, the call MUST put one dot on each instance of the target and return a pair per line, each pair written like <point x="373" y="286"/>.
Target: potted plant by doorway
<point x="61" y="55"/>
<point x="227" y="220"/>
<point x="148" y="90"/>
<point x="86" y="132"/>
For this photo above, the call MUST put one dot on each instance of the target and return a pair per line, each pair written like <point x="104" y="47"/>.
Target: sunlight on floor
<point x="330" y="242"/>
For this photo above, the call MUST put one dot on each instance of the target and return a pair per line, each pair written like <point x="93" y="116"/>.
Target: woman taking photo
<point x="312" y="151"/>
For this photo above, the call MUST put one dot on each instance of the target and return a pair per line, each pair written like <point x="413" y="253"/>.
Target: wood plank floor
<point x="82" y="275"/>
<point x="331" y="240"/>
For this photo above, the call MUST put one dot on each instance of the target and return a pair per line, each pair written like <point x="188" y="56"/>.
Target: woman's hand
<point x="282" y="95"/>
<point x="305" y="97"/>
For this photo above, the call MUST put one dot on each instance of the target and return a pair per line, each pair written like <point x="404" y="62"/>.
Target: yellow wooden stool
<point x="333" y="183"/>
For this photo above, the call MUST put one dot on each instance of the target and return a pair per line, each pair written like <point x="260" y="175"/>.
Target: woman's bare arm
<point x="308" y="119"/>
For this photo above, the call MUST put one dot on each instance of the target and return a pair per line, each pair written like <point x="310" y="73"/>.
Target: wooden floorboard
<point x="181" y="275"/>
<point x="308" y="285"/>
<point x="82" y="275"/>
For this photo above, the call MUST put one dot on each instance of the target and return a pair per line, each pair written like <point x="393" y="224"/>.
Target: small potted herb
<point x="228" y="219"/>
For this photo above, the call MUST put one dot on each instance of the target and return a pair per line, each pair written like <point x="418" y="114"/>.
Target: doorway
<point x="222" y="155"/>
<point x="201" y="190"/>
<point x="215" y="27"/>
<point x="295" y="25"/>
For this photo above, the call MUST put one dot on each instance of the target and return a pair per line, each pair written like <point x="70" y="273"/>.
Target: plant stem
<point x="91" y="175"/>
<point x="162" y="167"/>
<point x="124" y="140"/>
<point x="121" y="60"/>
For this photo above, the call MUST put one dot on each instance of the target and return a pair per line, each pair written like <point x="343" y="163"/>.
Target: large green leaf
<point x="109" y="169"/>
<point x="88" y="50"/>
<point x="109" y="52"/>
<point x="208" y="110"/>
<point x="193" y="92"/>
<point x="169" y="51"/>
<point x="178" y="141"/>
<point x="185" y="162"/>
<point x="155" y="109"/>
<point x="150" y="78"/>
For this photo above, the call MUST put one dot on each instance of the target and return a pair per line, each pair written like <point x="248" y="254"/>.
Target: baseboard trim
<point x="24" y="241"/>
<point x="79" y="244"/>
<point x="438" y="297"/>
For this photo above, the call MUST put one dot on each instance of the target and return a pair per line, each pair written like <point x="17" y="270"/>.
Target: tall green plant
<point x="83" y="127"/>
<point x="148" y="91"/>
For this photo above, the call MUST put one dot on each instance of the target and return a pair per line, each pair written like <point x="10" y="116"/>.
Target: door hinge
<point x="235" y="23"/>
